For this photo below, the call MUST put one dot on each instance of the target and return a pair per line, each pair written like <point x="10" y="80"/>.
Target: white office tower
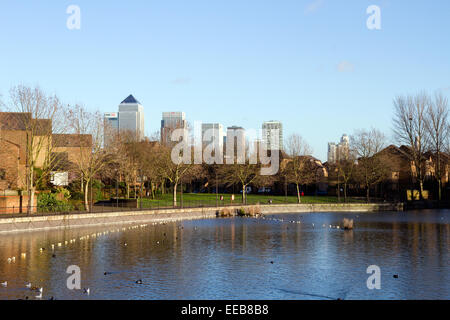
<point x="273" y="135"/>
<point x="131" y="117"/>
<point x="171" y="121"/>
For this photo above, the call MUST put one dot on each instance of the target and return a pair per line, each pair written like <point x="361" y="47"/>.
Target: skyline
<point x="303" y="63"/>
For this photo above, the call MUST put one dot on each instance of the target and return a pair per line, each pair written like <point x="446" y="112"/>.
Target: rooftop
<point x="130" y="100"/>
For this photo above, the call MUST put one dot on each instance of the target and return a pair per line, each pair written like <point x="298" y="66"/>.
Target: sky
<point x="312" y="64"/>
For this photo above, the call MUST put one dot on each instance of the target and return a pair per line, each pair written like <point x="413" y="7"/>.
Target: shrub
<point x="48" y="202"/>
<point x="225" y="213"/>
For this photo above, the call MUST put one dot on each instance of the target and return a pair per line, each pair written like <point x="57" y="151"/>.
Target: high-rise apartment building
<point x="171" y="121"/>
<point x="273" y="135"/>
<point x="339" y="151"/>
<point x="332" y="152"/>
<point x="130" y="118"/>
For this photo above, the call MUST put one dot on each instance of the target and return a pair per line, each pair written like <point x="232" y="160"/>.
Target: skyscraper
<point x="272" y="139"/>
<point x="332" y="152"/>
<point x="216" y="131"/>
<point x="131" y="117"/>
<point x="111" y="126"/>
<point x="235" y="143"/>
<point x="171" y="121"/>
<point x="339" y="151"/>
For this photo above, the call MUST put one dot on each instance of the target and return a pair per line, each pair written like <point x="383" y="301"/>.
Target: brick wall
<point x="12" y="204"/>
<point x="10" y="175"/>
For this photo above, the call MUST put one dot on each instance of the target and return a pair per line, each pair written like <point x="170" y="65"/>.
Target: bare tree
<point x="346" y="169"/>
<point x="148" y="162"/>
<point x="173" y="172"/>
<point x="410" y="128"/>
<point x="371" y="169"/>
<point x="88" y="132"/>
<point x="39" y="117"/>
<point x="437" y="125"/>
<point x="300" y="168"/>
<point x="244" y="170"/>
<point x="240" y="173"/>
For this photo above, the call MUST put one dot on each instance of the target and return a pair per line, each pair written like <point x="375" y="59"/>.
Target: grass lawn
<point x="205" y="199"/>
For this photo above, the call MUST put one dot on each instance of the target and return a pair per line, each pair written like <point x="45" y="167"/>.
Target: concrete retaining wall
<point x="170" y="215"/>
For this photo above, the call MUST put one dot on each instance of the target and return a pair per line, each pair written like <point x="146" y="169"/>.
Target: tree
<point x="410" y="128"/>
<point x="437" y="126"/>
<point x="88" y="131"/>
<point x="345" y="169"/>
<point x="237" y="173"/>
<point x="300" y="169"/>
<point x="171" y="170"/>
<point x="371" y="169"/>
<point x="40" y="116"/>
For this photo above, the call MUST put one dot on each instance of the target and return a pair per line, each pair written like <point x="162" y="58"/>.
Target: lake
<point x="287" y="256"/>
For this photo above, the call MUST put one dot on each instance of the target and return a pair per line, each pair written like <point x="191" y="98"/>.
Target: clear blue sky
<point x="238" y="62"/>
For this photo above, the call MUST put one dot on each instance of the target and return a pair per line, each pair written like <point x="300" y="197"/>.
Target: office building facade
<point x="171" y="121"/>
<point x="215" y="130"/>
<point x="130" y="118"/>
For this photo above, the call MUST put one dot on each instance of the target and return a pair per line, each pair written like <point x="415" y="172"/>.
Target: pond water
<point x="288" y="256"/>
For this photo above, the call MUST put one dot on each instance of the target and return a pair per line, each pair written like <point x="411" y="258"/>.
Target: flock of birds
<point x="53" y="246"/>
<point x="299" y="222"/>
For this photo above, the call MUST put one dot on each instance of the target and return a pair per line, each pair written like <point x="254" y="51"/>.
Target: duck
<point x="87" y="291"/>
<point x="9" y="260"/>
<point x="139" y="281"/>
<point x="28" y="285"/>
<point x="4" y="284"/>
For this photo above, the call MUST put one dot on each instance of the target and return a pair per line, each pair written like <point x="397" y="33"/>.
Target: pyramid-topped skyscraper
<point x="130" y="118"/>
<point x="130" y="100"/>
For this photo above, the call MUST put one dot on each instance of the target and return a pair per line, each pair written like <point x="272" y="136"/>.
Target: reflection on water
<point x="240" y="258"/>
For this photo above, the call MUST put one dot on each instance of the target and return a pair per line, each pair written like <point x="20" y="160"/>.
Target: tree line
<point x="420" y="122"/>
